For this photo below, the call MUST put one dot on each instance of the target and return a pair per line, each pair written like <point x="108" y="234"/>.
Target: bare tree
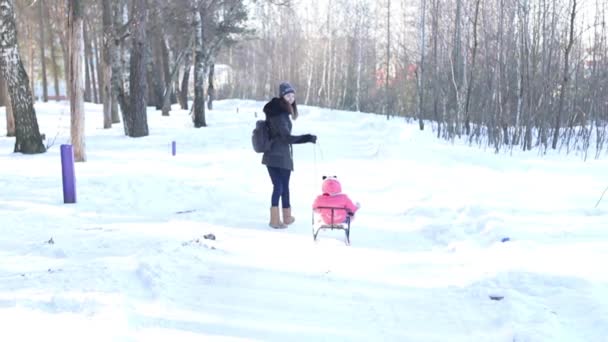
<point x="565" y="77"/>
<point x="41" y="15"/>
<point x="210" y="86"/>
<point x="119" y="33"/>
<point x="171" y="80"/>
<point x="75" y="48"/>
<point x="526" y="74"/>
<point x="52" y="45"/>
<point x="107" y="63"/>
<point x="28" y="138"/>
<point x="136" y="119"/>
<point x="420" y="72"/>
<point x="387" y="71"/>
<point x="199" y="70"/>
<point x="183" y="93"/>
<point x="211" y="32"/>
<point x="89" y="64"/>
<point x="87" y="70"/>
<point x="467" y="119"/>
<point x="5" y="100"/>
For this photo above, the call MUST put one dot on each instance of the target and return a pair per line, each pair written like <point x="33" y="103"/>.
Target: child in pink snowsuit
<point x="333" y="197"/>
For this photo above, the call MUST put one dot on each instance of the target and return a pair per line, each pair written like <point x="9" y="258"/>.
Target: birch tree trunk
<point x="523" y="111"/>
<point x="87" y="72"/>
<point x="28" y="138"/>
<point x="31" y="55"/>
<point x="388" y="59"/>
<point x="54" y="65"/>
<point x="457" y="74"/>
<point x="119" y="99"/>
<point x="45" y="94"/>
<point x="155" y="67"/>
<point x="107" y="63"/>
<point x="97" y="65"/>
<point x="211" y="86"/>
<point x="171" y="79"/>
<point x="6" y="101"/>
<point x="75" y="49"/>
<point x="467" y="119"/>
<point x="138" y="84"/>
<point x="421" y="66"/>
<point x="199" y="72"/>
<point x="183" y="91"/>
<point x="91" y="60"/>
<point x="565" y="77"/>
<point x="436" y="10"/>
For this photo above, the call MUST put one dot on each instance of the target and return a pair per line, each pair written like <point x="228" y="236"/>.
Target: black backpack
<point x="260" y="137"/>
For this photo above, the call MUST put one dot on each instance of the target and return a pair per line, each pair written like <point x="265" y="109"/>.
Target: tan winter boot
<point x="275" y="219"/>
<point x="287" y="218"/>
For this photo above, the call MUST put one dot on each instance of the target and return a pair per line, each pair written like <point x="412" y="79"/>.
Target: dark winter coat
<point x="281" y="152"/>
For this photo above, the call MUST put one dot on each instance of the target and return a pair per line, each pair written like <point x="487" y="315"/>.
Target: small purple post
<point x="173" y="147"/>
<point x="67" y="174"/>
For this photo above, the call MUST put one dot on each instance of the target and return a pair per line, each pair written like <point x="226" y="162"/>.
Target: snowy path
<point x="124" y="265"/>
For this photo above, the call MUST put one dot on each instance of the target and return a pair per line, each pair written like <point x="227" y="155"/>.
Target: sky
<point x="443" y="228"/>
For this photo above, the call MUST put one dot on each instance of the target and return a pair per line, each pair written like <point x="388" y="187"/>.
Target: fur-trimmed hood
<point x="331" y="186"/>
<point x="275" y="107"/>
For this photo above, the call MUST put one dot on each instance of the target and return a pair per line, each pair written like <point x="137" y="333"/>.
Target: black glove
<point x="311" y="138"/>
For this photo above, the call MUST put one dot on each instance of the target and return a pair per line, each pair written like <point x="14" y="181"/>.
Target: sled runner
<point x="318" y="223"/>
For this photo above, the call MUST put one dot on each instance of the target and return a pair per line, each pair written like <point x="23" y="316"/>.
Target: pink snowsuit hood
<point x="331" y="186"/>
<point x="334" y="198"/>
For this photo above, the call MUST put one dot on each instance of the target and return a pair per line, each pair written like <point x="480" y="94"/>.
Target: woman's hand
<point x="311" y="138"/>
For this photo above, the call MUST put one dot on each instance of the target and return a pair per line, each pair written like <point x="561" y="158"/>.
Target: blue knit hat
<point x="285" y="88"/>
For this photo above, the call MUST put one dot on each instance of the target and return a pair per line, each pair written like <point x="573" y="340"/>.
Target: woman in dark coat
<point x="279" y="159"/>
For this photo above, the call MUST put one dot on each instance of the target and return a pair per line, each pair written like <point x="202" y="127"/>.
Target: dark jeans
<point x="280" y="186"/>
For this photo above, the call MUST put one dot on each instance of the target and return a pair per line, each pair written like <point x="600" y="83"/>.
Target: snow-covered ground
<point x="129" y="261"/>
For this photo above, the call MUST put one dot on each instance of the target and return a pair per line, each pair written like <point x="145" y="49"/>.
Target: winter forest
<point x="463" y="142"/>
<point x="505" y="74"/>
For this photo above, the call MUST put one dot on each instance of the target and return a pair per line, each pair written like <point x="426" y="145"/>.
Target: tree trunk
<point x="524" y="111"/>
<point x="64" y="54"/>
<point x="467" y="120"/>
<point x="565" y="77"/>
<point x="115" y="46"/>
<point x="164" y="54"/>
<point x="435" y="63"/>
<point x="388" y="59"/>
<point x="199" y="72"/>
<point x="97" y="66"/>
<point x="170" y="80"/>
<point x="117" y="82"/>
<point x="421" y="67"/>
<point x="107" y="63"/>
<point x="91" y="60"/>
<point x="28" y="138"/>
<point x="54" y="65"/>
<point x="154" y="76"/>
<point x="330" y="48"/>
<point x="6" y="101"/>
<point x="3" y="93"/>
<point x="183" y="91"/>
<point x="137" y="117"/>
<point x="75" y="49"/>
<point x="87" y="72"/>
<point x="31" y="55"/>
<point x="211" y="87"/>
<point x="45" y="94"/>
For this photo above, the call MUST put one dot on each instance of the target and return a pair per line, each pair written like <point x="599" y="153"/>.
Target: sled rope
<point x="601" y="197"/>
<point x="316" y="170"/>
<point x="314" y="165"/>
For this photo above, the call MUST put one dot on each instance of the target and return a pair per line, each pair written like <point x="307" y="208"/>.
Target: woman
<point x="279" y="159"/>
